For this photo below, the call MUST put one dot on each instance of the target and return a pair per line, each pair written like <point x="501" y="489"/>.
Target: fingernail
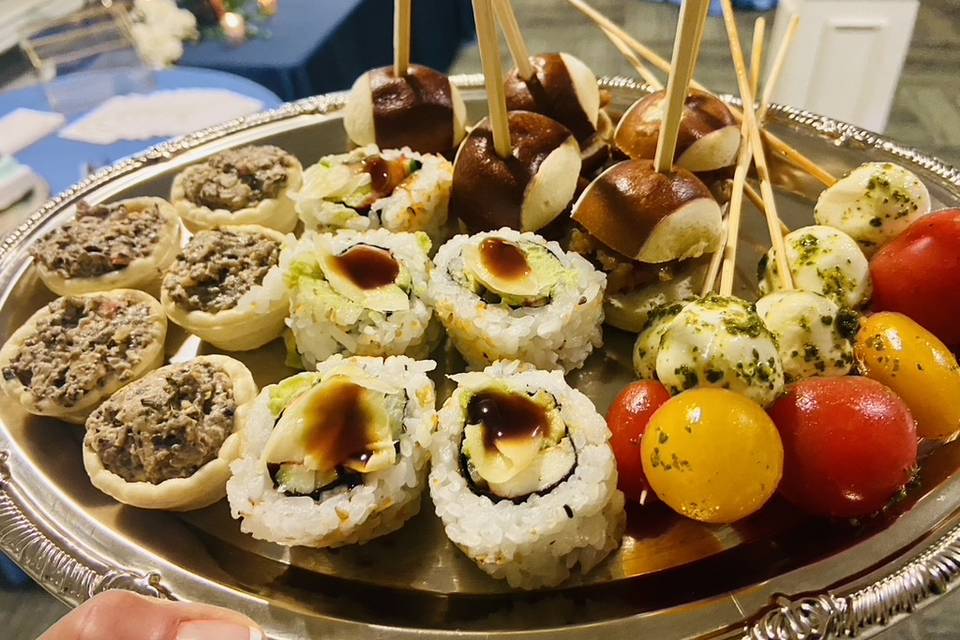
<point x="216" y="630"/>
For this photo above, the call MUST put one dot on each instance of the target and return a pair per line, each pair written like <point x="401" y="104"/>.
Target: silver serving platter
<point x="775" y="575"/>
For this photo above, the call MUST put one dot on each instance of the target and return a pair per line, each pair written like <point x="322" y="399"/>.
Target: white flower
<point x="157" y="48"/>
<point x="160" y="29"/>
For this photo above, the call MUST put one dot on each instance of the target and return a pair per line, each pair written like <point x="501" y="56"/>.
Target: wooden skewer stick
<point x="685" y="49"/>
<point x="642" y="70"/>
<point x="727" y="256"/>
<point x="756" y="64"/>
<point x="729" y="264"/>
<point x="511" y="31"/>
<point x="492" y="76"/>
<point x="777" y="146"/>
<point x="698" y="43"/>
<point x="710" y="278"/>
<point x="770" y="85"/>
<point x="401" y="37"/>
<point x="757" y="201"/>
<point x="756" y="54"/>
<point x="607" y="24"/>
<point x="756" y="142"/>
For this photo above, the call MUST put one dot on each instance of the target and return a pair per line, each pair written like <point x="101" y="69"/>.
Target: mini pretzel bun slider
<point x="559" y="86"/>
<point x="708" y="138"/>
<point x="653" y="211"/>
<point x="405" y="105"/>
<point x="650" y="216"/>
<point x="517" y="170"/>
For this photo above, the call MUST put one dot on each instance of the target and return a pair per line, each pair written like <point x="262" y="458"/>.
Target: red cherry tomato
<point x="849" y="445"/>
<point x="627" y="419"/>
<point x="918" y="275"/>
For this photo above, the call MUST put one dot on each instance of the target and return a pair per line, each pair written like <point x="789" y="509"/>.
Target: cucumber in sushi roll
<point x="337" y="456"/>
<point x="523" y="475"/>
<point x="396" y="189"/>
<point x="359" y="293"/>
<point x="510" y="295"/>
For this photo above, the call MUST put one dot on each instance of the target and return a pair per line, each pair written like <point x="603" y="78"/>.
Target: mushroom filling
<point x="516" y="274"/>
<point x="217" y="267"/>
<point x="514" y="444"/>
<point x="81" y="344"/>
<point x="362" y="277"/>
<point x="238" y="178"/>
<point x="359" y="183"/>
<point x="623" y="274"/>
<point x="99" y="240"/>
<point x="331" y="433"/>
<point x="166" y="425"/>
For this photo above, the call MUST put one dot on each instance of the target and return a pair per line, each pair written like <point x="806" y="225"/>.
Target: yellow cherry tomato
<point x="896" y="351"/>
<point x="712" y="455"/>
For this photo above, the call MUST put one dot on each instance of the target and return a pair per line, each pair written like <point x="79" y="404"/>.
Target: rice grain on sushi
<point x="359" y="293"/>
<point x="523" y="476"/>
<point x="396" y="189"/>
<point x="510" y="295"/>
<point x="337" y="456"/>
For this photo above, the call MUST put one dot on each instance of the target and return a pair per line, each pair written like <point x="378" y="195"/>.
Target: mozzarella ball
<point x="720" y="342"/>
<point x="823" y="260"/>
<point x="873" y="204"/>
<point x="647" y="346"/>
<point x="812" y="332"/>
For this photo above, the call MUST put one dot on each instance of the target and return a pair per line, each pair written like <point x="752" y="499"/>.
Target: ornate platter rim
<point x="925" y="567"/>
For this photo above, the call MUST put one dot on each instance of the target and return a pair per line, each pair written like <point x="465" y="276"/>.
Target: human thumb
<point x="121" y="615"/>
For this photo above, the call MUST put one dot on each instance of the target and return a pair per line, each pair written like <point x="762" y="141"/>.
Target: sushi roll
<point x="226" y="287"/>
<point x="124" y="244"/>
<point x="523" y="476"/>
<point x="510" y="295"/>
<point x="367" y="188"/>
<point x="335" y="456"/>
<point x="246" y="185"/>
<point x="166" y="441"/>
<point x="359" y="293"/>
<point x="69" y="356"/>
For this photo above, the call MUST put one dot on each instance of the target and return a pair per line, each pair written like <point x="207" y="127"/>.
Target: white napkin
<point x="159" y="114"/>
<point x="16" y="181"/>
<point x="22" y="127"/>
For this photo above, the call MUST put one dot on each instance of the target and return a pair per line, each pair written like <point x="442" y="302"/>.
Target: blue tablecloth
<point x="59" y="161"/>
<point x="316" y="46"/>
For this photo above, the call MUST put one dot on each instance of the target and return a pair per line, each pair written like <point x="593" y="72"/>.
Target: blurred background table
<point x="63" y="162"/>
<point x="317" y="46"/>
